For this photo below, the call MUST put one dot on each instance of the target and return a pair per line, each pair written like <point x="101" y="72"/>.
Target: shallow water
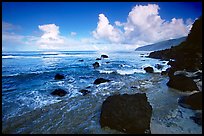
<point x="28" y="80"/>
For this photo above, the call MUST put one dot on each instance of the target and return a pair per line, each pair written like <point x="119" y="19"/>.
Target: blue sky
<point x="93" y="25"/>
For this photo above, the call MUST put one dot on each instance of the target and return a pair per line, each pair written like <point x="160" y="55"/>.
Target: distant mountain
<point x="161" y="45"/>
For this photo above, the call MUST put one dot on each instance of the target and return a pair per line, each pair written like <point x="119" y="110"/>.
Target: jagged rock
<point x="96" y="65"/>
<point x="104" y="56"/>
<point x="149" y="69"/>
<point x="127" y="113"/>
<point x="84" y="92"/>
<point x="101" y="80"/>
<point x="58" y="77"/>
<point x="193" y="101"/>
<point x="59" y="92"/>
<point x="182" y="83"/>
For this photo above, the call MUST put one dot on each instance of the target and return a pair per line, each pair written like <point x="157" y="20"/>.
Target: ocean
<point x="29" y="107"/>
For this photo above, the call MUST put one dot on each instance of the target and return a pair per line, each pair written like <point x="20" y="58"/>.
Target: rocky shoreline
<point x="185" y="73"/>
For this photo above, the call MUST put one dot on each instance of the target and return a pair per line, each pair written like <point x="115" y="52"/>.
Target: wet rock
<point x="59" y="92"/>
<point x="81" y="60"/>
<point x="101" y="80"/>
<point x="159" y="66"/>
<point x="88" y="87"/>
<point x="149" y="69"/>
<point x="104" y="56"/>
<point x="169" y="72"/>
<point x="197" y="118"/>
<point x="108" y="62"/>
<point x="193" y="101"/>
<point x="84" y="92"/>
<point x="59" y="77"/>
<point x="127" y="113"/>
<point x="182" y="83"/>
<point x="164" y="73"/>
<point x="198" y="75"/>
<point x="96" y="65"/>
<point x="98" y="58"/>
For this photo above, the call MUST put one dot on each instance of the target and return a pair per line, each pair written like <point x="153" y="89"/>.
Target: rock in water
<point x="98" y="58"/>
<point x="104" y="56"/>
<point x="197" y="118"/>
<point x="149" y="69"/>
<point x="58" y="77"/>
<point x="159" y="66"/>
<point x="96" y="65"/>
<point x="59" y="92"/>
<point x="101" y="80"/>
<point x="84" y="92"/>
<point x="127" y="113"/>
<point x="81" y="60"/>
<point x="193" y="101"/>
<point x="183" y="83"/>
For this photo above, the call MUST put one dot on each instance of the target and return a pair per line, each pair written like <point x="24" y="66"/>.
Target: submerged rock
<point x="59" y="92"/>
<point x="96" y="65"/>
<point x="182" y="83"/>
<point x="104" y="56"/>
<point x="149" y="69"/>
<point x="127" y="113"/>
<point x="101" y="80"/>
<point x="193" y="101"/>
<point x="81" y="60"/>
<point x="84" y="92"/>
<point x="197" y="118"/>
<point x="98" y="58"/>
<point x="58" y="77"/>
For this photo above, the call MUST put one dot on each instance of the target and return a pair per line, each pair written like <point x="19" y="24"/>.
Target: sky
<point x="66" y="26"/>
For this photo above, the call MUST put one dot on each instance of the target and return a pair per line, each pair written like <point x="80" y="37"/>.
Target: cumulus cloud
<point x="118" y="23"/>
<point x="144" y="26"/>
<point x="50" y="38"/>
<point x="106" y="31"/>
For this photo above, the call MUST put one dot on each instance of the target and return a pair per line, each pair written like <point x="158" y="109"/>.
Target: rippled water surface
<point x="28" y="80"/>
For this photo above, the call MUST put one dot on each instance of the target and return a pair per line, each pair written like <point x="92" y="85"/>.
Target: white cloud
<point x="9" y="27"/>
<point x="73" y="33"/>
<point x="144" y="26"/>
<point x="118" y="23"/>
<point x="50" y="38"/>
<point x="106" y="31"/>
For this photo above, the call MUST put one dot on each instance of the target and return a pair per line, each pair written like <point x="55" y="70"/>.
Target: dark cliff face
<point x="188" y="54"/>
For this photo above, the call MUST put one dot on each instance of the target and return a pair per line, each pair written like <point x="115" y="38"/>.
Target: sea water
<point x="29" y="107"/>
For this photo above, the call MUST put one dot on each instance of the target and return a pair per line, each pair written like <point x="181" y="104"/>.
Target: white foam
<point x="15" y="57"/>
<point x="130" y="71"/>
<point x="106" y="71"/>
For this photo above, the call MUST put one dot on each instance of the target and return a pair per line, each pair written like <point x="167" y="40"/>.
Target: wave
<point x="130" y="71"/>
<point x="18" y="57"/>
<point x="30" y="73"/>
<point x="106" y="71"/>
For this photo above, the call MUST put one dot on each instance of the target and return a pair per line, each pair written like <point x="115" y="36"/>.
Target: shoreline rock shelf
<point x="182" y="83"/>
